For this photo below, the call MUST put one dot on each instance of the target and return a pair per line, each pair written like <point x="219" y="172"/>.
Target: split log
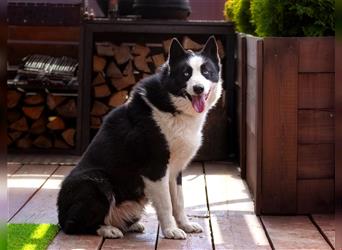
<point x="95" y="122"/>
<point x="128" y="69"/>
<point x="24" y="143"/>
<point x="54" y="100"/>
<point x="68" y="110"/>
<point x="140" y="50"/>
<point x="42" y="142"/>
<point x="190" y="44"/>
<point x="99" y="79"/>
<point x="105" y="49"/>
<point x="146" y="75"/>
<point x="38" y="127"/>
<point x="99" y="109"/>
<point x="158" y="60"/>
<point x="118" y="98"/>
<point x="12" y="116"/>
<point x="122" y="54"/>
<point x="34" y="99"/>
<point x="220" y="49"/>
<point x="113" y="71"/>
<point x="13" y="98"/>
<point x="14" y="135"/>
<point x="99" y="63"/>
<point x="68" y="135"/>
<point x="167" y="45"/>
<point x="124" y="82"/>
<point x="141" y="64"/>
<point x="33" y="112"/>
<point x="20" y="125"/>
<point x="102" y="91"/>
<point x="55" y="123"/>
<point x="58" y="143"/>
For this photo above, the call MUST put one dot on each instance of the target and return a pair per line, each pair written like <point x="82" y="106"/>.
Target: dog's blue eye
<point x="186" y="74"/>
<point x="205" y="72"/>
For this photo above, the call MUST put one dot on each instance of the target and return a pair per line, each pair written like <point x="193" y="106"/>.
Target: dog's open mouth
<point x="198" y="101"/>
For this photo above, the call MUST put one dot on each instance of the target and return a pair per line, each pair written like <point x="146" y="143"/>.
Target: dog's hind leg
<point x="109" y="232"/>
<point x="137" y="227"/>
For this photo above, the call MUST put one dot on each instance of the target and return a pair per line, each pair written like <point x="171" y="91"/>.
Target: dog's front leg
<point x="158" y="192"/>
<point x="176" y="190"/>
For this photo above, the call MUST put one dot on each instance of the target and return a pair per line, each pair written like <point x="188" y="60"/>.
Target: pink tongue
<point x="198" y="102"/>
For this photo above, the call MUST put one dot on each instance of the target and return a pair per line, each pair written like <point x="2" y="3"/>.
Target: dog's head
<point x="195" y="84"/>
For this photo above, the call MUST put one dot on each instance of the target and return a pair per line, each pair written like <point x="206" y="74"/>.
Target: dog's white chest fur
<point x="183" y="134"/>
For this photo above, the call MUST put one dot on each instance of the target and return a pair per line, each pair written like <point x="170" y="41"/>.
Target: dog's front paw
<point x="174" y="233"/>
<point x="109" y="232"/>
<point x="192" y="227"/>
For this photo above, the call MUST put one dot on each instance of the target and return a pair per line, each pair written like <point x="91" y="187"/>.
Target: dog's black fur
<point x="128" y="145"/>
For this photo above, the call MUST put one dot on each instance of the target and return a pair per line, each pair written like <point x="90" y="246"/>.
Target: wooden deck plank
<point x="24" y="183"/>
<point x="12" y="168"/>
<point x="326" y="222"/>
<point x="84" y="242"/>
<point x="234" y="224"/>
<point x="42" y="206"/>
<point x="196" y="209"/>
<point x="227" y="192"/>
<point x="146" y="240"/>
<point x="293" y="232"/>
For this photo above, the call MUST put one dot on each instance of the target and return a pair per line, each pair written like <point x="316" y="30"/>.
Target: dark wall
<point x="207" y="9"/>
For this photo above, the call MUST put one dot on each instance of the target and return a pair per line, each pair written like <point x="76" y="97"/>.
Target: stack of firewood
<point x="117" y="68"/>
<point x="40" y="120"/>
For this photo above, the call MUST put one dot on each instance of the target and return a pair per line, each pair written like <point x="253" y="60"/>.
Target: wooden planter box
<point x="286" y="88"/>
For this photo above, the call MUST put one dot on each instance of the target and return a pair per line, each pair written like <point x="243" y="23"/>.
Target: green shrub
<point x="239" y="12"/>
<point x="293" y="18"/>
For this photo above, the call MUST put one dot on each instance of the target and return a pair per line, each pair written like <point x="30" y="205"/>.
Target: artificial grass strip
<point x="30" y="236"/>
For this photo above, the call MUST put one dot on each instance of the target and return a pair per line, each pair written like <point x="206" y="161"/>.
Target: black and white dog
<point x="141" y="149"/>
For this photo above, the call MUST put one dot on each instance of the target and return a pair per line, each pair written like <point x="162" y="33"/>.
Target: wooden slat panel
<point x="279" y="151"/>
<point x="18" y="51"/>
<point x="316" y="161"/>
<point x="42" y="207"/>
<point x="293" y="232"/>
<point x="235" y="226"/>
<point x="84" y="242"/>
<point x="316" y="91"/>
<point x="24" y="183"/>
<point x="241" y="104"/>
<point x="315" y="126"/>
<point x="251" y="162"/>
<point x="315" y="196"/>
<point x="197" y="210"/>
<point x="146" y="240"/>
<point x="326" y="222"/>
<point x="252" y="50"/>
<point x="316" y="54"/>
<point x="44" y="33"/>
<point x="12" y="168"/>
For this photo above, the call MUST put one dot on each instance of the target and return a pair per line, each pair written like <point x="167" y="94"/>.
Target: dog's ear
<point x="176" y="52"/>
<point x="210" y="49"/>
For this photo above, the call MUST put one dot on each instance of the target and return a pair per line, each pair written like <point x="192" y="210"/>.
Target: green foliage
<point x="30" y="236"/>
<point x="293" y="17"/>
<point x="239" y="12"/>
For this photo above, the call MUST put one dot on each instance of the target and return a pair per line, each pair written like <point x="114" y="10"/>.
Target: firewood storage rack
<point x="220" y="134"/>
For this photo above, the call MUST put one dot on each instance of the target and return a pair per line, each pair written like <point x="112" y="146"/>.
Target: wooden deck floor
<point x="215" y="197"/>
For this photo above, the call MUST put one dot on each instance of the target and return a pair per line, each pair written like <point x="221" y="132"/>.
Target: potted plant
<point x="286" y="83"/>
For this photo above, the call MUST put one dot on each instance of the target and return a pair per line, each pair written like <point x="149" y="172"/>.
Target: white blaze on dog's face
<point x="197" y="77"/>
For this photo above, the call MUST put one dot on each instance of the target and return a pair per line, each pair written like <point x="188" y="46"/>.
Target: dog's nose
<point x="198" y="89"/>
